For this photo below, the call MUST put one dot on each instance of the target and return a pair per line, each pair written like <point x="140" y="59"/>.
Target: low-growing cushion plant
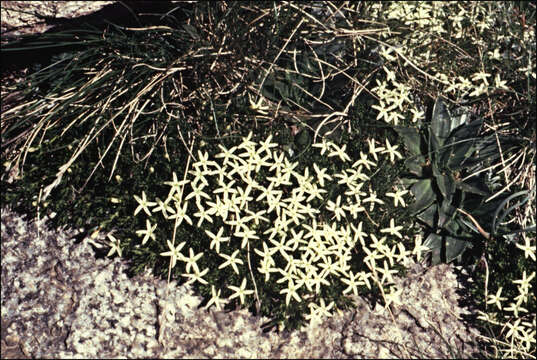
<point x="252" y="226"/>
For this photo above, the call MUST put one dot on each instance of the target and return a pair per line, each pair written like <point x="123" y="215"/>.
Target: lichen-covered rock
<point x="59" y="301"/>
<point x="30" y="17"/>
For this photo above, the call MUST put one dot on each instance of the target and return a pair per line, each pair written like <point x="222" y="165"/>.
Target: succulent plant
<point x="441" y="155"/>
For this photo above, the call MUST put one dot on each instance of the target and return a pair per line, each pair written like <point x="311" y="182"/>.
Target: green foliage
<point x="291" y="165"/>
<point x="441" y="156"/>
<point x="446" y="156"/>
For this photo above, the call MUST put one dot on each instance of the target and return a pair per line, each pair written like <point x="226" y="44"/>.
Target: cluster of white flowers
<point x="521" y="324"/>
<point x="393" y="102"/>
<point x="315" y="250"/>
<point x="474" y="33"/>
<point x="428" y="23"/>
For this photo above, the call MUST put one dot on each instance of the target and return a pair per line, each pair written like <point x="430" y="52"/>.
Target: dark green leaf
<point x="455" y="248"/>
<point x="440" y="121"/>
<point x="424" y="194"/>
<point x="411" y="138"/>
<point x="446" y="184"/>
<point x="466" y="131"/>
<point x="462" y="142"/>
<point x="429" y="216"/>
<point x="282" y="88"/>
<point x="446" y="248"/>
<point x="469" y="188"/>
<point x="303" y="139"/>
<point x="434" y="149"/>
<point x="414" y="165"/>
<point x="436" y="171"/>
<point x="434" y="243"/>
<point x="458" y="155"/>
<point x="497" y="219"/>
<point x="269" y="94"/>
<point x="445" y="213"/>
<point x="408" y="182"/>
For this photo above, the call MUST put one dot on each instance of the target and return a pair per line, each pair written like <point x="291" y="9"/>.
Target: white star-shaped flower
<point x="393" y="230"/>
<point x="174" y="252"/>
<point x="321" y="174"/>
<point x="217" y="239"/>
<point x="148" y="232"/>
<point x="353" y="282"/>
<point x="144" y="204"/>
<point x="394" y="296"/>
<point x="372" y="198"/>
<point x="291" y="291"/>
<point x="397" y="197"/>
<point x="340" y="152"/>
<point x="336" y="208"/>
<point x="197" y="276"/>
<point x="258" y="106"/>
<point x="175" y="185"/>
<point x="364" y="161"/>
<point x="180" y="214"/>
<point x="227" y="154"/>
<point x="266" y="146"/>
<point x="114" y="246"/>
<point x="418" y="247"/>
<point x="391" y="151"/>
<point x="231" y="260"/>
<point x="529" y="251"/>
<point x="215" y="299"/>
<point x="373" y="149"/>
<point x="496" y="299"/>
<point x="241" y="291"/>
<point x="324" y="146"/>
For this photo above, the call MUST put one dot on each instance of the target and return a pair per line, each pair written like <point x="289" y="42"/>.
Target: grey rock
<point x="29" y="17"/>
<point x="59" y="301"/>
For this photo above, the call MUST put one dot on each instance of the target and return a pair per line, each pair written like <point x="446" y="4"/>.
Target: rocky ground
<point x="59" y="301"/>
